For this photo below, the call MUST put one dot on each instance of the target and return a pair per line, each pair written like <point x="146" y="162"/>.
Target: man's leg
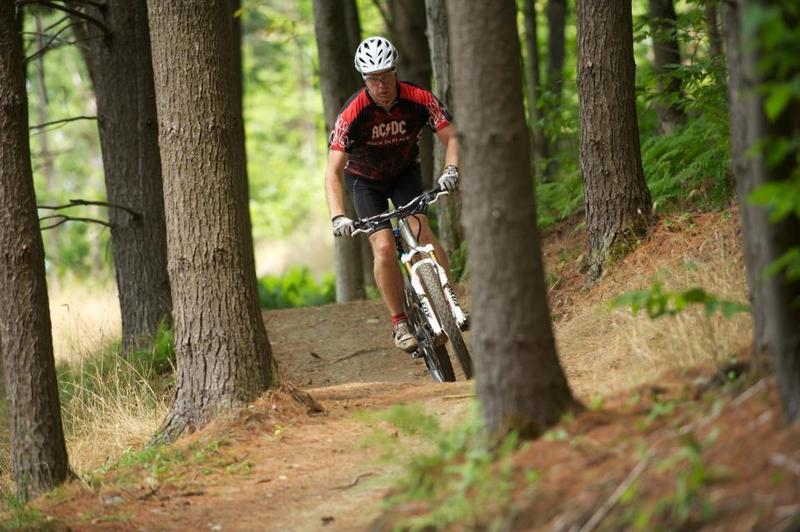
<point x="390" y="283"/>
<point x="387" y="273"/>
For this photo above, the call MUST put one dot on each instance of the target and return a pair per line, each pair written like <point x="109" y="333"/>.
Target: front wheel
<point x="436" y="358"/>
<point x="433" y="288"/>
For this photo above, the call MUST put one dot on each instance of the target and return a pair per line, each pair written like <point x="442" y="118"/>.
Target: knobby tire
<point x="435" y="355"/>
<point x="436" y="297"/>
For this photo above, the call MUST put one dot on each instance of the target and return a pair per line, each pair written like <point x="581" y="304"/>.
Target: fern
<point x="689" y="167"/>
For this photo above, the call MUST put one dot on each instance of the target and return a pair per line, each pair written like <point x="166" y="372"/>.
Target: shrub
<point x="296" y="288"/>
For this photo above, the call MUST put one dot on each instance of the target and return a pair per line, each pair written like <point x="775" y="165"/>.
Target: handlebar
<point x="366" y="225"/>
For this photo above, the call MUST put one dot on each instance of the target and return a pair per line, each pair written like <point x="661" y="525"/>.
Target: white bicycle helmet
<point x="375" y="54"/>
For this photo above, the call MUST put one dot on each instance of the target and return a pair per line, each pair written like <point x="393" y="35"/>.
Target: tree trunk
<point x="775" y="309"/>
<point x="339" y="80"/>
<point x="738" y="88"/>
<point x="534" y="84"/>
<point x="353" y="24"/>
<point x="712" y="26"/>
<point x="451" y="232"/>
<point x="556" y="19"/>
<point x="120" y="64"/>
<point x="520" y="383"/>
<point x="223" y="353"/>
<point x="616" y="197"/>
<point x="408" y="28"/>
<point x="667" y="53"/>
<point x="38" y="451"/>
<point x="236" y="32"/>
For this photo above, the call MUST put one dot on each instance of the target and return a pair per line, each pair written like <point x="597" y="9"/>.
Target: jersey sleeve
<point x="438" y="115"/>
<point x="338" y="139"/>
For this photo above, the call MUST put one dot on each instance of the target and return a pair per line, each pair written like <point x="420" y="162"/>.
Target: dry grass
<point x="85" y="318"/>
<point x="108" y="404"/>
<point x="606" y="350"/>
<point x="113" y="405"/>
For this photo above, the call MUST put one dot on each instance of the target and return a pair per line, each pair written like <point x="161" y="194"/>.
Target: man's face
<point x="382" y="86"/>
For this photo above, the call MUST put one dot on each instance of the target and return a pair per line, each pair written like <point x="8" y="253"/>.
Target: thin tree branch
<point x="63" y="121"/>
<point x="56" y="23"/>
<point x="49" y="44"/>
<point x="62" y="219"/>
<point x="80" y="202"/>
<point x="99" y="5"/>
<point x="45" y="49"/>
<point x="70" y="11"/>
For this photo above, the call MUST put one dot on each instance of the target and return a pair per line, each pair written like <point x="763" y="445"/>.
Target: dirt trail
<point x="299" y="471"/>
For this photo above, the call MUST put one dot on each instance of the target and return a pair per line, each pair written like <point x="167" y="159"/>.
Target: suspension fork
<point x="404" y="234"/>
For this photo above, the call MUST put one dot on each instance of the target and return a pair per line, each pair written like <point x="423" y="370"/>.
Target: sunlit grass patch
<point x="607" y="349"/>
<point x="85" y="317"/>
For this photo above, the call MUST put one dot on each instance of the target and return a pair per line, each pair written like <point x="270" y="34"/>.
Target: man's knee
<point x="383" y="246"/>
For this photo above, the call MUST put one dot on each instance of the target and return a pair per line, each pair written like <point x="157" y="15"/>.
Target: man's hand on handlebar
<point x="449" y="179"/>
<point x="343" y="226"/>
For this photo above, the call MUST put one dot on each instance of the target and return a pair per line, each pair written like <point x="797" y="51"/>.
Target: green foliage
<point x="296" y="288"/>
<point x="160" y="357"/>
<point x="688" y="501"/>
<point x="458" y="261"/>
<point x="657" y="302"/>
<point x="689" y="167"/>
<point x="159" y="464"/>
<point x="557" y="199"/>
<point x="21" y="516"/>
<point x="461" y="480"/>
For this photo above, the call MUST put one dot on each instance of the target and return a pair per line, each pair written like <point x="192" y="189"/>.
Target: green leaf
<point x="777" y="100"/>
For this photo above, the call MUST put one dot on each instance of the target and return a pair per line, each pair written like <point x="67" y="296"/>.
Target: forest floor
<point x="681" y="431"/>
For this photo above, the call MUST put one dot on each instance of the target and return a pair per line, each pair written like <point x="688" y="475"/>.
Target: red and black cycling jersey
<point x="383" y="143"/>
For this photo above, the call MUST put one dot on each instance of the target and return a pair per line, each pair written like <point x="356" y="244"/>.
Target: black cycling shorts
<point x="371" y="196"/>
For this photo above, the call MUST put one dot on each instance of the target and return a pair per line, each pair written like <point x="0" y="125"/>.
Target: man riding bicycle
<point x="373" y="151"/>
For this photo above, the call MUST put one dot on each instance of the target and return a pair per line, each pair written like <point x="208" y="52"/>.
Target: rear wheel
<point x="433" y="288"/>
<point x="436" y="358"/>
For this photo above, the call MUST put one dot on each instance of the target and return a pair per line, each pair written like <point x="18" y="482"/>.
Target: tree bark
<point x="451" y="232"/>
<point x="353" y="25"/>
<point x="556" y="12"/>
<point x="667" y="53"/>
<point x="120" y="64"/>
<point x="38" y="452"/>
<point x="408" y="28"/>
<point x="616" y="197"/>
<point x="222" y="350"/>
<point x="774" y="297"/>
<point x="339" y="80"/>
<point x="712" y="26"/>
<point x="539" y="143"/>
<point x="520" y="382"/>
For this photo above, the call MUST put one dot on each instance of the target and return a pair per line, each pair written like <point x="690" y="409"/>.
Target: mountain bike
<point x="430" y="302"/>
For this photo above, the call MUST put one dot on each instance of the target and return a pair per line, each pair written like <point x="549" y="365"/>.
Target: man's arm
<point x="447" y="135"/>
<point x="334" y="175"/>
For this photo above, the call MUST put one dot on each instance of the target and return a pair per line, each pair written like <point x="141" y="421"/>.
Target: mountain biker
<point x="373" y="151"/>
